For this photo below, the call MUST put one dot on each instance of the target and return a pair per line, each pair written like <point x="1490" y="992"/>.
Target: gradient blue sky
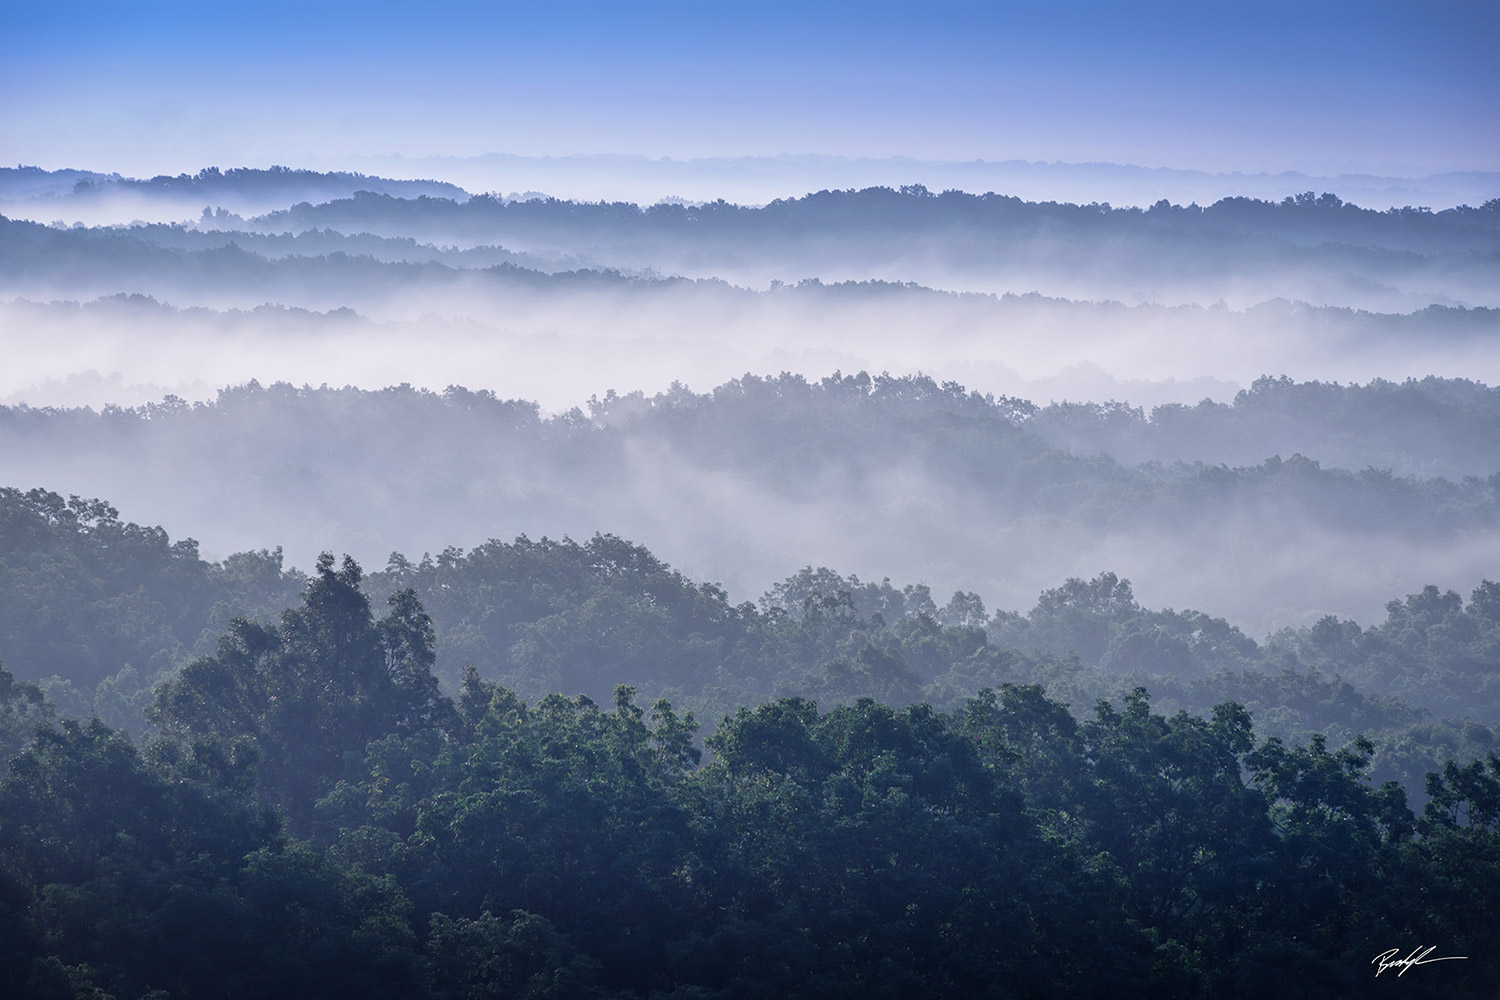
<point x="1377" y="86"/>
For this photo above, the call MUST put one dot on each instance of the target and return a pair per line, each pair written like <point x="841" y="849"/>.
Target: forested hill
<point x="1239" y="250"/>
<point x="315" y="817"/>
<point x="886" y="213"/>
<point x="187" y="262"/>
<point x="351" y="202"/>
<point x="1421" y="427"/>
<point x="905" y="477"/>
<point x="800" y="437"/>
<point x="99" y="610"/>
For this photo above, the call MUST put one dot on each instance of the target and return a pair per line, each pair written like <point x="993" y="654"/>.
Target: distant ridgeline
<point x="326" y="270"/>
<point x="275" y="183"/>
<point x="312" y="816"/>
<point x="882" y="211"/>
<point x="354" y="230"/>
<point x="342" y="199"/>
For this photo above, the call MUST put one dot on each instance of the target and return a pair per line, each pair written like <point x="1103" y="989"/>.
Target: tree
<point x="325" y="682"/>
<point x="22" y="709"/>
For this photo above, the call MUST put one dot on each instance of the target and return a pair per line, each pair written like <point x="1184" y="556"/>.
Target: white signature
<point x="1388" y="960"/>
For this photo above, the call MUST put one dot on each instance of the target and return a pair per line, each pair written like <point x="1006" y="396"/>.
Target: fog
<point x="559" y="345"/>
<point x="748" y="484"/>
<point x="558" y="305"/>
<point x="393" y="258"/>
<point x="431" y="572"/>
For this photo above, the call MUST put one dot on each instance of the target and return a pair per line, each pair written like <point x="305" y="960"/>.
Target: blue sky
<point x="1379" y="86"/>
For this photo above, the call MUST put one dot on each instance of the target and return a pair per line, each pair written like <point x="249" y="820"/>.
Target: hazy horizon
<point x="1392" y="88"/>
<point x="758" y="180"/>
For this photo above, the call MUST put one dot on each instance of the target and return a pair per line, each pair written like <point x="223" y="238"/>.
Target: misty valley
<point x="882" y="592"/>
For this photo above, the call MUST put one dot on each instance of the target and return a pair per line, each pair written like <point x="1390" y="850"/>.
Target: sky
<point x="1382" y="86"/>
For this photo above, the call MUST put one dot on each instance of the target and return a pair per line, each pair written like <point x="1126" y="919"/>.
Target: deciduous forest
<point x="703" y="600"/>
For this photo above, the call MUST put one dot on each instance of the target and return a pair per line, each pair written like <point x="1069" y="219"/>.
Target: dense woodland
<point x="536" y="737"/>
<point x="896" y="807"/>
<point x="1419" y="447"/>
<point x="97" y="610"/>
<point x="908" y="476"/>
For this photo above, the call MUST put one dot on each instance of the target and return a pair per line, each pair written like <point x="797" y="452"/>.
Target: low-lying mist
<point x="363" y="251"/>
<point x="1177" y="463"/>
<point x="562" y="342"/>
<point x="747" y="484"/>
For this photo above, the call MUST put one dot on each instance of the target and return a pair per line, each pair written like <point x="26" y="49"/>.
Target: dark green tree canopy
<point x="323" y="683"/>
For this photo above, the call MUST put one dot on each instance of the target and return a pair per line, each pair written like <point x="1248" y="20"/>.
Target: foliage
<point x="855" y="852"/>
<point x="324" y="683"/>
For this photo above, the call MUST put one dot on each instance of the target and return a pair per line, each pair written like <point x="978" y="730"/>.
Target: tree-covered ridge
<point x="368" y="264"/>
<point x="1424" y="427"/>
<point x="154" y="259"/>
<point x="913" y="210"/>
<point x="360" y="250"/>
<point x="311" y="814"/>
<point x="322" y="242"/>
<point x="581" y="617"/>
<point x="856" y="425"/>
<point x="841" y="437"/>
<point x="86" y="594"/>
<point x="273" y="185"/>
<point x="495" y="846"/>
